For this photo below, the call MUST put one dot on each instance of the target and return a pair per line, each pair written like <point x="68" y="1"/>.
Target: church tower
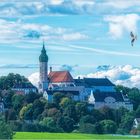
<point x="43" y="75"/>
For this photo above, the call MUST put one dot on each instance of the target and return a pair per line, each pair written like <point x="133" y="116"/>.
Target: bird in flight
<point x="133" y="38"/>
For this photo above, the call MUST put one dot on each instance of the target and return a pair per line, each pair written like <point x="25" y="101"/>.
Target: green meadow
<point x="69" y="136"/>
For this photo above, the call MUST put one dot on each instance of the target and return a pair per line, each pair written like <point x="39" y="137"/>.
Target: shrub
<point x="87" y="128"/>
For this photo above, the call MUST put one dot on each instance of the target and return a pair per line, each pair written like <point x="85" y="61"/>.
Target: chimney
<point x="50" y="69"/>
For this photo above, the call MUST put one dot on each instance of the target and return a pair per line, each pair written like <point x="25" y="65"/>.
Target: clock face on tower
<point x="110" y="100"/>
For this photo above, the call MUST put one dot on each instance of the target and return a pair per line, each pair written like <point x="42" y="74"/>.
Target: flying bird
<point x="133" y="38"/>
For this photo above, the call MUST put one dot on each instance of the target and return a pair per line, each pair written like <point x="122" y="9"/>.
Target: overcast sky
<point x="79" y="35"/>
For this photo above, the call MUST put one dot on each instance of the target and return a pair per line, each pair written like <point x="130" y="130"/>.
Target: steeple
<point x="43" y="56"/>
<point x="43" y="62"/>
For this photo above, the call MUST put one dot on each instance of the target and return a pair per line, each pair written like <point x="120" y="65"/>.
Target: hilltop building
<point x="24" y="88"/>
<point x="98" y="92"/>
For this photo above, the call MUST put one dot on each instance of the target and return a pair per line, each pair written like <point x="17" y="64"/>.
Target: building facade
<point x="24" y="88"/>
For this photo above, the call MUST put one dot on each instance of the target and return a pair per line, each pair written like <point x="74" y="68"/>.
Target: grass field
<point x="69" y="136"/>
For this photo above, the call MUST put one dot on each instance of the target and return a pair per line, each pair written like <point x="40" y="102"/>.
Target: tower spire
<point x="43" y="56"/>
<point x="43" y="44"/>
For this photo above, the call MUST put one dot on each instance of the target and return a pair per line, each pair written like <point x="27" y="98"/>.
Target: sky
<point x="90" y="38"/>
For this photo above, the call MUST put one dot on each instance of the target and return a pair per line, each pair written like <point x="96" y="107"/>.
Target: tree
<point x="66" y="123"/>
<point x="122" y="89"/>
<point x="57" y="97"/>
<point x="16" y="126"/>
<point x="134" y="96"/>
<point x="81" y="109"/>
<point x="70" y="112"/>
<point x="30" y="127"/>
<point x="26" y="112"/>
<point x="29" y="98"/>
<point x="38" y="108"/>
<point x="5" y="130"/>
<point x="49" y="125"/>
<point x="87" y="119"/>
<point x="17" y="101"/>
<point x="107" y="113"/>
<point x="119" y="113"/>
<point x="98" y="128"/>
<point x="53" y="112"/>
<point x="7" y="82"/>
<point x="50" y="105"/>
<point x="138" y="112"/>
<point x="11" y="114"/>
<point x="65" y="102"/>
<point x="126" y="123"/>
<point x="98" y="116"/>
<point x="108" y="126"/>
<point x="87" y="128"/>
<point x="7" y="98"/>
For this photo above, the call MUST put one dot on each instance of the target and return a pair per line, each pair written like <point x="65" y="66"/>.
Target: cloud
<point x="34" y="78"/>
<point x="33" y="34"/>
<point x="74" y="36"/>
<point x="103" y="67"/>
<point x="18" y="66"/>
<point x="45" y="7"/>
<point x="122" y="4"/>
<point x="56" y="2"/>
<point x="67" y="67"/>
<point x="29" y="8"/>
<point x="122" y="23"/>
<point x="19" y="31"/>
<point x="126" y="75"/>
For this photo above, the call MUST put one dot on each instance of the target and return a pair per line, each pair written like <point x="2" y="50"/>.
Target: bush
<point x="66" y="123"/>
<point x="108" y="126"/>
<point x="16" y="125"/>
<point x="87" y="128"/>
<point x="30" y="127"/>
<point x="120" y="131"/>
<point x="87" y="119"/>
<point x="49" y="125"/>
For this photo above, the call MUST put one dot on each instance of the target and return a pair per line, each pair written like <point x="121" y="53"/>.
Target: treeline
<point x="33" y="113"/>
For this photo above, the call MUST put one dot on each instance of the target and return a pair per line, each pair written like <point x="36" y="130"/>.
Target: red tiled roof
<point x="60" y="77"/>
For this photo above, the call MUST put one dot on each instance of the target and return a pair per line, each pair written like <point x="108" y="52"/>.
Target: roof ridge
<point x="61" y="71"/>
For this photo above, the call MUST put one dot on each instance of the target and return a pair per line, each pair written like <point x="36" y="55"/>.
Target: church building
<point x="98" y="92"/>
<point x="53" y="79"/>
